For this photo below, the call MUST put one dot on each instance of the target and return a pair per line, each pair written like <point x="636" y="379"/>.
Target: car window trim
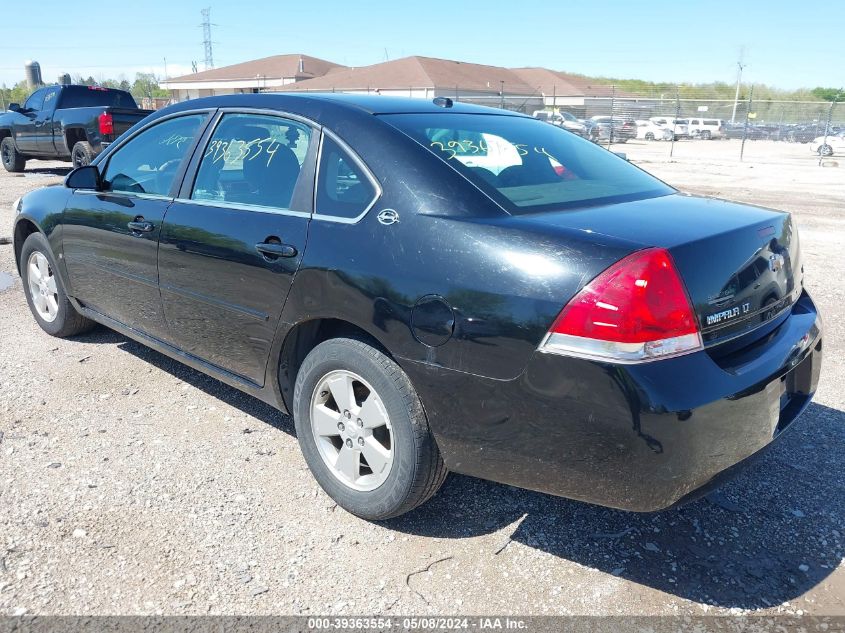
<point x="361" y="165"/>
<point x="102" y="161"/>
<point x="183" y="195"/>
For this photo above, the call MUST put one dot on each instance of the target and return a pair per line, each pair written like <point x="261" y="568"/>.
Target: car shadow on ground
<point x="213" y="387"/>
<point x="47" y="171"/>
<point x="766" y="537"/>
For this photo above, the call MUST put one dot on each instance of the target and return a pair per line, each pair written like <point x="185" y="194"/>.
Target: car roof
<point x="367" y="103"/>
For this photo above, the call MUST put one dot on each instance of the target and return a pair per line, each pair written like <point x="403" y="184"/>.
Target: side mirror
<point x="85" y="177"/>
<point x="14" y="107"/>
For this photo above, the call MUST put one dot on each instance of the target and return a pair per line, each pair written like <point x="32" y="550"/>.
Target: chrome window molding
<point x="243" y="207"/>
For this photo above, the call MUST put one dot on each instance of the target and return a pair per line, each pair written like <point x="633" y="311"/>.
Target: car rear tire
<point x="825" y="150"/>
<point x="45" y="292"/>
<point x="12" y="160"/>
<point x="82" y="154"/>
<point x="363" y="430"/>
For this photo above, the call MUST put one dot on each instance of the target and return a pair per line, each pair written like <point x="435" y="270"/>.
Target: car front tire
<point x="825" y="150"/>
<point x="45" y="292"/>
<point x="363" y="431"/>
<point x="12" y="160"/>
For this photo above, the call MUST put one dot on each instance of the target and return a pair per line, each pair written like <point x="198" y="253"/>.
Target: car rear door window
<point x="255" y="160"/>
<point x="148" y="162"/>
<point x="344" y="188"/>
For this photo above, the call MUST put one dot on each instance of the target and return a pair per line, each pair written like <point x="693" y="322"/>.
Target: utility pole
<point x="206" y="38"/>
<point x="739" y="67"/>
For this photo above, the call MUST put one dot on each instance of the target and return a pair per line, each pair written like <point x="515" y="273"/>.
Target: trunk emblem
<point x="388" y="217"/>
<point x="775" y="262"/>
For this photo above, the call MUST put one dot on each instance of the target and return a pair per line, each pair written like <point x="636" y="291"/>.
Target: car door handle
<point x="140" y="226"/>
<point x="273" y="250"/>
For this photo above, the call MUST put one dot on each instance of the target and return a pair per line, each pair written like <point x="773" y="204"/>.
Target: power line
<point x="206" y="37"/>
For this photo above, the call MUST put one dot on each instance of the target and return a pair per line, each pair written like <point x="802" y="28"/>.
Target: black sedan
<point x="429" y="286"/>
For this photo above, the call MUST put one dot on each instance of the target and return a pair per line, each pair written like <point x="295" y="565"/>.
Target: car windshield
<point x="527" y="166"/>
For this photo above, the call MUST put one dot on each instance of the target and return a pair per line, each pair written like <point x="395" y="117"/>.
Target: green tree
<point x="146" y="85"/>
<point x="827" y="94"/>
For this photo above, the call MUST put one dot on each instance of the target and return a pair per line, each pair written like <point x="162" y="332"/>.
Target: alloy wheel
<point x="42" y="287"/>
<point x="352" y="430"/>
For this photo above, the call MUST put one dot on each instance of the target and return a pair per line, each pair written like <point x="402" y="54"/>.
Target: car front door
<point x="110" y="236"/>
<point x="27" y="125"/>
<point x="233" y="240"/>
<point x="44" y="121"/>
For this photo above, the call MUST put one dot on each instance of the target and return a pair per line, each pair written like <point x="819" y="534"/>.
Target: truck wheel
<point x="363" y="430"/>
<point x="706" y="135"/>
<point x="825" y="150"/>
<point x="45" y="293"/>
<point x="12" y="160"/>
<point x="82" y="154"/>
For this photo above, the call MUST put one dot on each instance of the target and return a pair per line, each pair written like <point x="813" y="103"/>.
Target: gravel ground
<point x="133" y="485"/>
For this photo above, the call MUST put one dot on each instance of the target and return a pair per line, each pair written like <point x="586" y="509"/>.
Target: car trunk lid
<point x="739" y="263"/>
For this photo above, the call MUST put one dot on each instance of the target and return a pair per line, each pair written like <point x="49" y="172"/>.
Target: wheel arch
<point x="304" y="336"/>
<point x="4" y="132"/>
<point x="24" y="227"/>
<point x="73" y="135"/>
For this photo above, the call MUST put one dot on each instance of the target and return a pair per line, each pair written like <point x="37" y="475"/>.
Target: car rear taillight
<point x="636" y="310"/>
<point x="106" y="123"/>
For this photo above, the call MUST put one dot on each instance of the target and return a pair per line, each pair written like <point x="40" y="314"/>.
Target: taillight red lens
<point x="638" y="309"/>
<point x="106" y="123"/>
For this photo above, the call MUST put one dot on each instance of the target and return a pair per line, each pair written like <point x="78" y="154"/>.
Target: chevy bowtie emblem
<point x="388" y="217"/>
<point x="775" y="262"/>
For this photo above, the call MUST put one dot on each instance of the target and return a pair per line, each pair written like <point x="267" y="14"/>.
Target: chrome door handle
<point x="140" y="226"/>
<point x="272" y="250"/>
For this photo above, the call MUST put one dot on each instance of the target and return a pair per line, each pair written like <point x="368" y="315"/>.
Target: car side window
<point x="343" y="188"/>
<point x="255" y="160"/>
<point x="148" y="162"/>
<point x="35" y="100"/>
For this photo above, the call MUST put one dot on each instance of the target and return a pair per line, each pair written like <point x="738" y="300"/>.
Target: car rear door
<point x="233" y="240"/>
<point x="110" y="236"/>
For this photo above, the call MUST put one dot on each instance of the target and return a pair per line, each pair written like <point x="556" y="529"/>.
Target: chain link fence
<point x="684" y="122"/>
<point x="678" y="120"/>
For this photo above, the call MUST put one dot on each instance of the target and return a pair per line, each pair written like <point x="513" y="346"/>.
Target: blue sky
<point x="787" y="44"/>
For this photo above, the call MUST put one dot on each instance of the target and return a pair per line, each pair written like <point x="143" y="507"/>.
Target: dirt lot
<point x="133" y="485"/>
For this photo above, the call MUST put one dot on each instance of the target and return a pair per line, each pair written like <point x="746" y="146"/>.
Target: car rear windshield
<point x="89" y="96"/>
<point x="527" y="166"/>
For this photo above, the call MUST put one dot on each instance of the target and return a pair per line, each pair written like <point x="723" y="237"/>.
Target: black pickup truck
<point x="73" y="123"/>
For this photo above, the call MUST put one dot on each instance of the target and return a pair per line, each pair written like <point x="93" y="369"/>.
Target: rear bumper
<point x="636" y="437"/>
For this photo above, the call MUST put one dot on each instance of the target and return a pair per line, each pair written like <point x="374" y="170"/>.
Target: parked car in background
<point x="560" y="321"/>
<point x="803" y="133"/>
<point x="565" y="120"/>
<point x="572" y="123"/>
<point x="705" y="128"/>
<point x="612" y="129"/>
<point x="829" y="145"/>
<point x="738" y="130"/>
<point x="650" y="131"/>
<point x="678" y="127"/>
<point x="73" y="123"/>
